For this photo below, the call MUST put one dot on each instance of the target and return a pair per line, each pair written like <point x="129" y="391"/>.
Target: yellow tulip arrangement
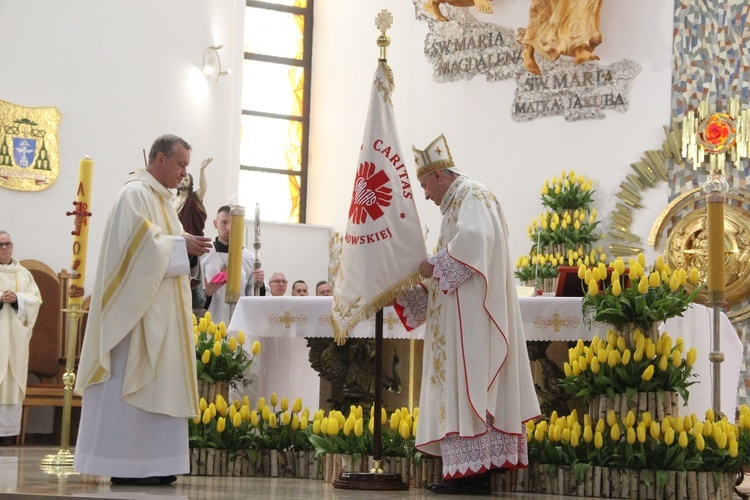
<point x="353" y="435"/>
<point x="609" y="366"/>
<point x="241" y="427"/>
<point x="564" y="234"/>
<point x="653" y="295"/>
<point x="674" y="443"/>
<point x="218" y="356"/>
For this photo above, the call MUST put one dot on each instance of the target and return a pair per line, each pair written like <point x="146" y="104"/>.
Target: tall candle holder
<point x="73" y="311"/>
<point x="715" y="188"/>
<point x="234" y="264"/>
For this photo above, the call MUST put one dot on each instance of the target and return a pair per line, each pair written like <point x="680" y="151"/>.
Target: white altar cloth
<point x="544" y="318"/>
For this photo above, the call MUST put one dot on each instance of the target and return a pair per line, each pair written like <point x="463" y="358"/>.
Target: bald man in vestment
<point x="137" y="372"/>
<point x="19" y="307"/>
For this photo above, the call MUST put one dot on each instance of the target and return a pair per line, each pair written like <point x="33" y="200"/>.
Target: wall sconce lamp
<point x="212" y="63"/>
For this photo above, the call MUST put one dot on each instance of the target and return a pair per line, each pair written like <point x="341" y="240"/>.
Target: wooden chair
<point x="46" y="350"/>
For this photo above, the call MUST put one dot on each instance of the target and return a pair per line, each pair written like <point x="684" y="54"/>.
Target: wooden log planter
<point x="659" y="405"/>
<point x="604" y="482"/>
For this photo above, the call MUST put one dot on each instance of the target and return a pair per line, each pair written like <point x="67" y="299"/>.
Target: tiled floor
<point x="21" y="476"/>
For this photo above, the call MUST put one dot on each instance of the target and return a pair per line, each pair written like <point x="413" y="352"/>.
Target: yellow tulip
<point x="567" y="369"/>
<point x="654" y="279"/>
<point x="217" y="348"/>
<point x="674" y="282"/>
<point x="588" y="433"/>
<point x="640" y="434"/>
<point x="694" y="276"/>
<point x="733" y="449"/>
<point x="683" y="439"/>
<point x="207" y="416"/>
<point x="539" y="434"/>
<point x="648" y="373"/>
<point x="614" y="358"/>
<point x="212" y="409"/>
<point x="316" y="427"/>
<point x="404" y="430"/>
<point x="348" y="426"/>
<point x="241" y="337"/>
<point x="297" y="405"/>
<point x="630" y="435"/>
<point x="232" y="344"/>
<point x="642" y="259"/>
<point x="595" y="365"/>
<point x="256" y="348"/>
<point x="202" y="405"/>
<point x="615" y="432"/>
<point x="616" y="288"/>
<point x="710" y="417"/>
<point x="643" y="286"/>
<point x="395" y="420"/>
<point x="646" y="418"/>
<point x="333" y="427"/>
<point x="692" y="355"/>
<point x="197" y="420"/>
<point x="582" y="363"/>
<point x="669" y="436"/>
<point x="676" y="358"/>
<point x="721" y="440"/>
<point x="600" y="425"/>
<point x="215" y="333"/>
<point x="206" y="357"/>
<point x="598" y="440"/>
<point x="237" y="420"/>
<point x="655" y="430"/>
<point x="650" y="349"/>
<point x="284" y="404"/>
<point x="638" y="355"/>
<point x="202" y="325"/>
<point x="626" y="357"/>
<point x="663" y="363"/>
<point x="700" y="443"/>
<point x="274" y="399"/>
<point x="285" y="418"/>
<point x="221" y="424"/>
<point x="593" y="287"/>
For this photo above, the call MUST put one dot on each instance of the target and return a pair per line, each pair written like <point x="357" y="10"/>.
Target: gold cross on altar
<point x="390" y="320"/>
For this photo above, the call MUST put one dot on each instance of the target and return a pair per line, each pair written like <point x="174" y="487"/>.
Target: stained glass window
<point x="275" y="104"/>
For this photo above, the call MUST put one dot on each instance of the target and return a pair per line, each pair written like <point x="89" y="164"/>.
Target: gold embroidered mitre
<point x="436" y="156"/>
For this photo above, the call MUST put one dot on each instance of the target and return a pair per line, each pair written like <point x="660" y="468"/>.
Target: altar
<point x="282" y="323"/>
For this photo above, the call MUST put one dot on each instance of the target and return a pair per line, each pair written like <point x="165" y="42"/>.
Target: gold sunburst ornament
<point x="717" y="133"/>
<point x="723" y="136"/>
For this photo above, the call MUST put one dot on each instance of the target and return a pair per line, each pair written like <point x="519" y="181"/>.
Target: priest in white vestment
<point x="19" y="306"/>
<point x="214" y="270"/>
<point x="477" y="388"/>
<point x="137" y="371"/>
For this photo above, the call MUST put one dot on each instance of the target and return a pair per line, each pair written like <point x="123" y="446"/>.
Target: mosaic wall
<point x="711" y="62"/>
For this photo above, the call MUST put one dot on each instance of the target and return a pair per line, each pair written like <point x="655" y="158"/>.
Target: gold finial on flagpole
<point x="383" y="21"/>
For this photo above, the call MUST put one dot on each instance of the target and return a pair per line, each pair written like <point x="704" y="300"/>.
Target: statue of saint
<point x="433" y="7"/>
<point x="189" y="202"/>
<point x="561" y="27"/>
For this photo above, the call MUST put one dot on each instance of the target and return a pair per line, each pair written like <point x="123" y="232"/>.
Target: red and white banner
<point x="383" y="245"/>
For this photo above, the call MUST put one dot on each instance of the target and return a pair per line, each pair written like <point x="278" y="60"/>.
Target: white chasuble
<point x="138" y="342"/>
<point x="477" y="387"/>
<point x="16" y="327"/>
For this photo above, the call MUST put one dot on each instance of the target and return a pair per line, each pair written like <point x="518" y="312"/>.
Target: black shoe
<point x="143" y="481"/>
<point x="470" y="485"/>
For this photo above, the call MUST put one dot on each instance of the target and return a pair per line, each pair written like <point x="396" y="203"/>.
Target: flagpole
<point x="376" y="479"/>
